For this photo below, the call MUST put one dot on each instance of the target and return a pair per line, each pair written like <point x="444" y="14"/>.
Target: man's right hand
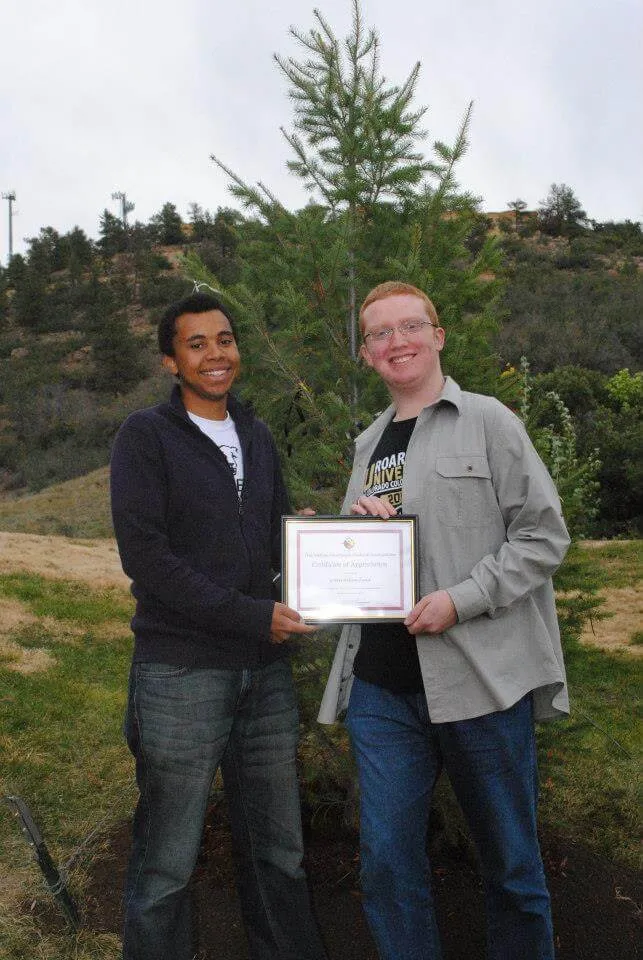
<point x="373" y="507"/>
<point x="285" y="621"/>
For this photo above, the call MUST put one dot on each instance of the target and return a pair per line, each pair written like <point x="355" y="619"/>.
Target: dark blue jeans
<point x="181" y="725"/>
<point x="491" y="763"/>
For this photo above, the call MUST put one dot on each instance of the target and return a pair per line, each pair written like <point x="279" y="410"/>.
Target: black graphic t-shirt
<point x="387" y="655"/>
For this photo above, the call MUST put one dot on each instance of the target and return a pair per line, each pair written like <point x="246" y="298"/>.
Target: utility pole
<point x="10" y="197"/>
<point x="126" y="205"/>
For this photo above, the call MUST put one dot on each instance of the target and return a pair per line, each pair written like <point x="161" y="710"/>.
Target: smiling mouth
<point x="215" y="374"/>
<point x="404" y="359"/>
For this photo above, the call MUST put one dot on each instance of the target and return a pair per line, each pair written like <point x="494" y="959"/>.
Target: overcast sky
<point x="98" y="96"/>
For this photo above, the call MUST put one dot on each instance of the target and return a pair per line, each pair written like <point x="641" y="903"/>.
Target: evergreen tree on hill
<point x="168" y="226"/>
<point x="116" y="353"/>
<point x="378" y="209"/>
<point x="561" y="214"/>
<point x="216" y="239"/>
<point x="30" y="303"/>
<point x="112" y="234"/>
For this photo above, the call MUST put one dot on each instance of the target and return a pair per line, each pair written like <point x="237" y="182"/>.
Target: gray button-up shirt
<point x="492" y="534"/>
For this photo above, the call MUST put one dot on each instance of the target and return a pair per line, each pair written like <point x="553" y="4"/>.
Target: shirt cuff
<point x="468" y="600"/>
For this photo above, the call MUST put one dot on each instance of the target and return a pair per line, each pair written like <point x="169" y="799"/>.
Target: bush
<point x="606" y="413"/>
<point x="551" y="428"/>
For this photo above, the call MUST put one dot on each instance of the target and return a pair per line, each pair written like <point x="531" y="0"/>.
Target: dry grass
<point x="13" y="617"/>
<point x="75" y="508"/>
<point x="64" y="655"/>
<point x="92" y="561"/>
<point x="19" y="660"/>
<point x="619" y="564"/>
<point x="621" y="619"/>
<point x="62" y="744"/>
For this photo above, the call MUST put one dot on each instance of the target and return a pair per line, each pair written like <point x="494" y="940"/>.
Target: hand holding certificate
<point x="349" y="569"/>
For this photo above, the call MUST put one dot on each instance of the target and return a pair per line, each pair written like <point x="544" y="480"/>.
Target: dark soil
<point x="596" y="903"/>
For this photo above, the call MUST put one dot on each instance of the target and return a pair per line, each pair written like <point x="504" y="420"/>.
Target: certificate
<point x="350" y="569"/>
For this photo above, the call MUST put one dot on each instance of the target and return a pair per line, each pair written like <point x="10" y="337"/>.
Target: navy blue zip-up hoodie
<point x="200" y="559"/>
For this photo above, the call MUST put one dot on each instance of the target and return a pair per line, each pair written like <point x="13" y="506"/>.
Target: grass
<point x="64" y="658"/>
<point x="75" y="508"/>
<point x="590" y="763"/>
<point x="617" y="568"/>
<point x="619" y="562"/>
<point x="61" y="746"/>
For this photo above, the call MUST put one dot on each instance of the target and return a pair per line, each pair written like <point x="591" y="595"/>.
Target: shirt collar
<point x="450" y="393"/>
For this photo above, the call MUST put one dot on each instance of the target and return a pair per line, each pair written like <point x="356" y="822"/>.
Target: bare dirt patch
<point x="594" y="902"/>
<point x="92" y="561"/>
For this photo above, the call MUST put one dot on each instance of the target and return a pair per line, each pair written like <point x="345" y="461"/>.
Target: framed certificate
<point x="350" y="569"/>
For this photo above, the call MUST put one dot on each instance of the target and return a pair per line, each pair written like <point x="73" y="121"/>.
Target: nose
<point x="397" y="335"/>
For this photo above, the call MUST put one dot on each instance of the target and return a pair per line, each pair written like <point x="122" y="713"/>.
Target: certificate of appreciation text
<point x="350" y="569"/>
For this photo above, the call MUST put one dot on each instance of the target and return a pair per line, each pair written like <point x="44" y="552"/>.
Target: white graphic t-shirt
<point x="224" y="434"/>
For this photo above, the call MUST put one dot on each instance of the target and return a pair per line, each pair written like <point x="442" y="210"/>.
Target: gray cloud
<point x="134" y="96"/>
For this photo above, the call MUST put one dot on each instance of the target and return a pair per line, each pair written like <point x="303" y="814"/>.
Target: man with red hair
<point x="459" y="684"/>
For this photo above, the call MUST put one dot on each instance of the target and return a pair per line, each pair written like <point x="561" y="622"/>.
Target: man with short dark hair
<point x="197" y="500"/>
<point x="458" y="685"/>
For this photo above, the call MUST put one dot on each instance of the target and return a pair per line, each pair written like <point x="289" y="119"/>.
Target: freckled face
<point x="404" y="362"/>
<point x="206" y="360"/>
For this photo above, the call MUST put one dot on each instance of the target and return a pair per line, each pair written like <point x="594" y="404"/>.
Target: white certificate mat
<point x="349" y="569"/>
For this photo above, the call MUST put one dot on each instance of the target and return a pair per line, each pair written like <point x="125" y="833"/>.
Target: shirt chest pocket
<point x="464" y="491"/>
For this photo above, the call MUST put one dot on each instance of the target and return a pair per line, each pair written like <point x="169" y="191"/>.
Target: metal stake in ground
<point x="54" y="881"/>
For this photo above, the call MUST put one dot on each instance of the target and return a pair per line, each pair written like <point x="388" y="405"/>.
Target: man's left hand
<point x="434" y="613"/>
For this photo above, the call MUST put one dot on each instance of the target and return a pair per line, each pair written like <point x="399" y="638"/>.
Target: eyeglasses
<point x="407" y="328"/>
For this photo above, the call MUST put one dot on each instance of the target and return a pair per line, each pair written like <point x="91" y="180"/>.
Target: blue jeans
<point x="181" y="725"/>
<point x="491" y="763"/>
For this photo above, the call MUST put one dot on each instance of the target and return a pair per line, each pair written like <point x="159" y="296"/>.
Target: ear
<point x="440" y="335"/>
<point x="170" y="364"/>
<point x="365" y="356"/>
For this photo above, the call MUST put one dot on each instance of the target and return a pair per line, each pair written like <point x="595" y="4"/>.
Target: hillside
<point x="75" y="508"/>
<point x="78" y="352"/>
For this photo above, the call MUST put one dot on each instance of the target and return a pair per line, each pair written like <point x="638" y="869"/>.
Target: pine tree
<point x="113" y="237"/>
<point x="217" y="241"/>
<point x="561" y="213"/>
<point x="200" y="222"/>
<point x="168" y="225"/>
<point x="116" y="353"/>
<point x="354" y="135"/>
<point x="46" y="252"/>
<point x="378" y="209"/>
<point x="30" y="304"/>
